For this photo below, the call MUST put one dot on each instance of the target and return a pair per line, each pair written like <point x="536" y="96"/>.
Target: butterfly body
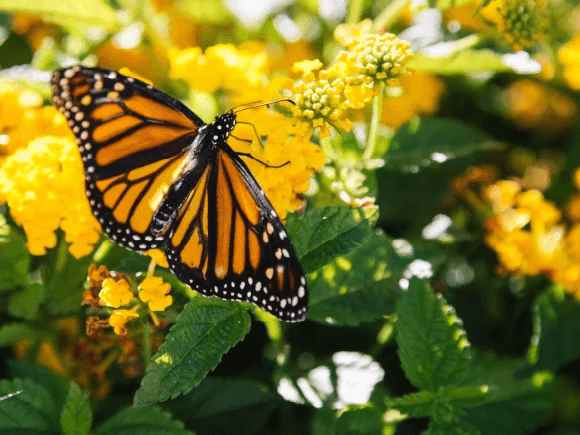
<point x="157" y="176"/>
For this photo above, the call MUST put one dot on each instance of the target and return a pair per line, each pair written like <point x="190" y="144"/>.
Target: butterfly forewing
<point x="133" y="141"/>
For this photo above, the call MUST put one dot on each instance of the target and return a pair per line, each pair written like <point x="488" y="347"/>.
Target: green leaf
<point x="76" y="416"/>
<point x="462" y="62"/>
<point x="65" y="278"/>
<point x="359" y="420"/>
<point x="89" y="12"/>
<point x="556" y="338"/>
<point x="433" y="141"/>
<point x="32" y="409"/>
<point x="26" y="302"/>
<point x="513" y="406"/>
<point x="14" y="258"/>
<point x="451" y="424"/>
<point x="12" y="332"/>
<point x="433" y="348"/>
<point x="322" y="234"/>
<point x="42" y="376"/>
<point x="205" y="330"/>
<point x="223" y="407"/>
<point x="357" y="288"/>
<point x="425" y="403"/>
<point x="150" y="420"/>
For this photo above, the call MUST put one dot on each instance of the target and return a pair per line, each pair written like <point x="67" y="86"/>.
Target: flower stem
<point x="146" y="343"/>
<point x="375" y="121"/>
<point x="389" y="15"/>
<point x="354" y="11"/>
<point x="326" y="146"/>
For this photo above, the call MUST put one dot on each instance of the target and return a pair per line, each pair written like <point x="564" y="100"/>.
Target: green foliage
<point x="514" y="406"/>
<point x="433" y="348"/>
<point x="31" y="410"/>
<point x="322" y="234"/>
<point x="150" y="420"/>
<point x="14" y="258"/>
<point x="204" y="331"/>
<point x="95" y="13"/>
<point x="221" y="407"/>
<point x="432" y="141"/>
<point x="75" y="417"/>
<point x="556" y="339"/>
<point x="356" y="288"/>
<point x="468" y="61"/>
<point x="359" y="420"/>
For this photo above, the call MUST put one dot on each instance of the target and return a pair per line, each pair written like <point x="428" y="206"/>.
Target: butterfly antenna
<point x="281" y="100"/>
<point x="243" y="104"/>
<point x="255" y="131"/>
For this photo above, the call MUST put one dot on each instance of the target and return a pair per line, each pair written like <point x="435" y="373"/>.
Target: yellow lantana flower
<point x="119" y="319"/>
<point x="522" y="23"/>
<point x="22" y="118"/>
<point x="374" y="58"/>
<point x="220" y="66"/>
<point x="43" y="185"/>
<point x="115" y="293"/>
<point x="154" y="291"/>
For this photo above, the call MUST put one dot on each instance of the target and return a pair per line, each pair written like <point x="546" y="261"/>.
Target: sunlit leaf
<point x="76" y="416"/>
<point x="205" y="330"/>
<point x="433" y="348"/>
<point x="150" y="420"/>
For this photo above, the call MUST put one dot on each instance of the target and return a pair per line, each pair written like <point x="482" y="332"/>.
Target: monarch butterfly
<point x="158" y="176"/>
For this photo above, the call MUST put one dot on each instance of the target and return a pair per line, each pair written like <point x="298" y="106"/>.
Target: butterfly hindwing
<point x="133" y="141"/>
<point x="230" y="243"/>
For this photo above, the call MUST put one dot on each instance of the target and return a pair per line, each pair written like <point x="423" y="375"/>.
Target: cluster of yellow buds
<point x="373" y="58"/>
<point x="523" y="22"/>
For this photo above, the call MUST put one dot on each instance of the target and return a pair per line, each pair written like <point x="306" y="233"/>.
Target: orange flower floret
<point x="116" y="293"/>
<point x="119" y="319"/>
<point x="154" y="291"/>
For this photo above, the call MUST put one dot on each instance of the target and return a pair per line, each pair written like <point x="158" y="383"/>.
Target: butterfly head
<point x="222" y="127"/>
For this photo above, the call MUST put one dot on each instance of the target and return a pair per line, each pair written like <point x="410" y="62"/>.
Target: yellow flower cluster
<point x="569" y="57"/>
<point x="535" y="105"/>
<point x="22" y="118"/>
<point x="44" y="186"/>
<point x="221" y="66"/>
<point x="320" y="99"/>
<point x="374" y="58"/>
<point x="529" y="237"/>
<point x="523" y="22"/>
<point x="113" y="289"/>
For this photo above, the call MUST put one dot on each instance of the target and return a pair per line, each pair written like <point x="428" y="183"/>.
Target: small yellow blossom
<point x="155" y="292"/>
<point x="375" y="58"/>
<point x="345" y="33"/>
<point x="115" y="293"/>
<point x="119" y="319"/>
<point x="158" y="257"/>
<point x="43" y="185"/>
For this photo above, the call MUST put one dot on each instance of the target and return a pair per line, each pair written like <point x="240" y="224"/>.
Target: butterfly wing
<point x="133" y="141"/>
<point x="228" y="242"/>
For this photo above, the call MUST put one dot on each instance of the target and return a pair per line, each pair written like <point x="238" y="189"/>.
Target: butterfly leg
<point x="263" y="163"/>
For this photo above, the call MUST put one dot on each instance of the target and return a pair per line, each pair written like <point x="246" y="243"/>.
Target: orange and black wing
<point x="227" y="241"/>
<point x="133" y="141"/>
